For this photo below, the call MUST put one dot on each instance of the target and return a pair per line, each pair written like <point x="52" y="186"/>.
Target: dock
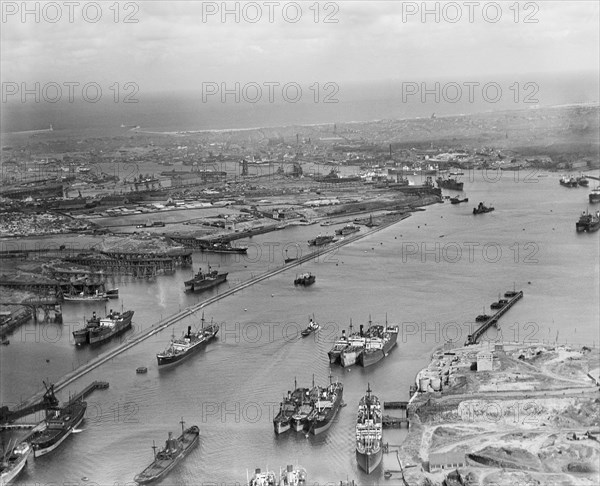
<point x="492" y="321"/>
<point x="393" y="421"/>
<point x="96" y="385"/>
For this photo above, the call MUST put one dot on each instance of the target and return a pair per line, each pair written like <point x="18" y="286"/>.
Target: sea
<point x="431" y="274"/>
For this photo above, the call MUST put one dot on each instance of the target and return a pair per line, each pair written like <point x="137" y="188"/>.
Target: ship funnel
<point x="343" y="332"/>
<point x="257" y="470"/>
<point x="290" y="468"/>
<point x="361" y="329"/>
<point x="189" y="331"/>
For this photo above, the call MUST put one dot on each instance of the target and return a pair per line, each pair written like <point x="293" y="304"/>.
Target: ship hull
<point x="120" y="327"/>
<point x="14" y="468"/>
<point x="191" y="286"/>
<point x="47" y="445"/>
<point x="334" y="356"/>
<point x="320" y="426"/>
<point x="80" y="336"/>
<point x="348" y="358"/>
<point x="165" y="360"/>
<point x="281" y="426"/>
<point x="157" y="471"/>
<point x="368" y="462"/>
<point x="370" y="358"/>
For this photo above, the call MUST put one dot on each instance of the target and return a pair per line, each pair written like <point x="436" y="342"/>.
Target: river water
<point x="431" y="273"/>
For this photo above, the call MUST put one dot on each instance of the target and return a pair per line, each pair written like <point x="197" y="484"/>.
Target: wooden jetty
<point x="95" y="385"/>
<point x="493" y="320"/>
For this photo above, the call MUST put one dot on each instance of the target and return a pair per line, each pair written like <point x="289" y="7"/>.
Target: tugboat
<point x="320" y="240"/>
<point x="588" y="222"/>
<point x="113" y="324"/>
<point x="582" y="181"/>
<point x="312" y="327"/>
<point x="481" y="208"/>
<point x="173" y="452"/>
<point x="369" y="432"/>
<point x="455" y="200"/>
<point x="203" y="281"/>
<point x="347" y="230"/>
<point x="594" y="196"/>
<point x="293" y="476"/>
<point x="326" y="405"/>
<point x="187" y="344"/>
<point x="262" y="478"/>
<point x="379" y="342"/>
<point x="12" y="465"/>
<point x="449" y="183"/>
<point x="60" y="423"/>
<point x="305" y="279"/>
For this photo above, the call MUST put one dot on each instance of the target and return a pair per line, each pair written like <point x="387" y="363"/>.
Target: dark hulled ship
<point x="588" y="222"/>
<point x="180" y="348"/>
<point x="223" y="247"/>
<point x="369" y="433"/>
<point x="99" y="330"/>
<point x="60" y="423"/>
<point x="482" y="208"/>
<point x="378" y="343"/>
<point x="288" y="408"/>
<point x="173" y="452"/>
<point x="449" y="183"/>
<point x="325" y="407"/>
<point x="305" y="279"/>
<point x="347" y="230"/>
<point x="320" y="240"/>
<point x="204" y="281"/>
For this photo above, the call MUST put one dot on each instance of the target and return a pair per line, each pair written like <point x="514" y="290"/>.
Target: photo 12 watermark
<point x="69" y="12"/>
<point x="69" y="91"/>
<point x="270" y="12"/>
<point x="470" y="12"/>
<point x="270" y="92"/>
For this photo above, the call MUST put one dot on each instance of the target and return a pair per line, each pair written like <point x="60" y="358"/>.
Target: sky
<point x="170" y="45"/>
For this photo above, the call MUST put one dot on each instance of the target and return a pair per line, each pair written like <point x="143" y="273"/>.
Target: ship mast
<point x="182" y="422"/>
<point x="154" y="449"/>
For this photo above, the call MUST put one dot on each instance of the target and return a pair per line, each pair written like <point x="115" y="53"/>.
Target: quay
<point x="95" y="385"/>
<point x="391" y="421"/>
<point x="165" y="323"/>
<point x="492" y="321"/>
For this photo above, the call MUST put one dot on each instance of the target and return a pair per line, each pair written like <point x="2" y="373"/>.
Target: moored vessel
<point x="320" y="240"/>
<point x="588" y="222"/>
<point x="223" y="247"/>
<point x="338" y="346"/>
<point x="292" y="476"/>
<point x="347" y="230"/>
<point x="449" y="183"/>
<point x="378" y="343"/>
<point x="113" y="324"/>
<point x="455" y="200"/>
<point x="180" y="348"/>
<point x="60" y="423"/>
<point x="594" y="195"/>
<point x="568" y="181"/>
<point x="14" y="462"/>
<point x="369" y="432"/>
<point x="260" y="478"/>
<point x="326" y="404"/>
<point x="173" y="452"/>
<point x="203" y="281"/>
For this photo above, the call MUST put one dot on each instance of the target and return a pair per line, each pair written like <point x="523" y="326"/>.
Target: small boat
<point x="173" y="452"/>
<point x="312" y="327"/>
<point x="481" y="209"/>
<point x="498" y="305"/>
<point x="112" y="293"/>
<point x="582" y="181"/>
<point x="455" y="200"/>
<point x="568" y="181"/>
<point x="594" y="195"/>
<point x="141" y="370"/>
<point x="305" y="279"/>
<point x="83" y="297"/>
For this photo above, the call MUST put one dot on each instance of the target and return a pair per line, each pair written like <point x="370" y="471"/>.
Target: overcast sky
<point x="173" y="47"/>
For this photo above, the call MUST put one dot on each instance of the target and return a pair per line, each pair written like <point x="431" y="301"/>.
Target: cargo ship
<point x="180" y="348"/>
<point x="83" y="297"/>
<point x="223" y="247"/>
<point x="588" y="222"/>
<point x="356" y="345"/>
<point x="347" y="230"/>
<point x="14" y="463"/>
<point x="378" y="343"/>
<point x="113" y="324"/>
<point x="338" y="346"/>
<point x="81" y="335"/>
<point x="449" y="183"/>
<point x="320" y="240"/>
<point x="594" y="195"/>
<point x="289" y="407"/>
<point x="203" y="281"/>
<point x="59" y="425"/>
<point x="173" y="452"/>
<point x="325" y="407"/>
<point x="369" y="433"/>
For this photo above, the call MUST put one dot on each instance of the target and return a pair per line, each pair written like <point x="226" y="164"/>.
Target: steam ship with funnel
<point x="203" y="281"/>
<point x="290" y="405"/>
<point x="378" y="343"/>
<point x="326" y="404"/>
<point x="99" y="330"/>
<point x="369" y="432"/>
<point x="59" y="425"/>
<point x="186" y="345"/>
<point x="173" y="452"/>
<point x="449" y="183"/>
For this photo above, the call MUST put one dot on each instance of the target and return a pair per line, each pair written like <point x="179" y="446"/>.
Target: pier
<point x="392" y="421"/>
<point x="492" y="321"/>
<point x="96" y="385"/>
